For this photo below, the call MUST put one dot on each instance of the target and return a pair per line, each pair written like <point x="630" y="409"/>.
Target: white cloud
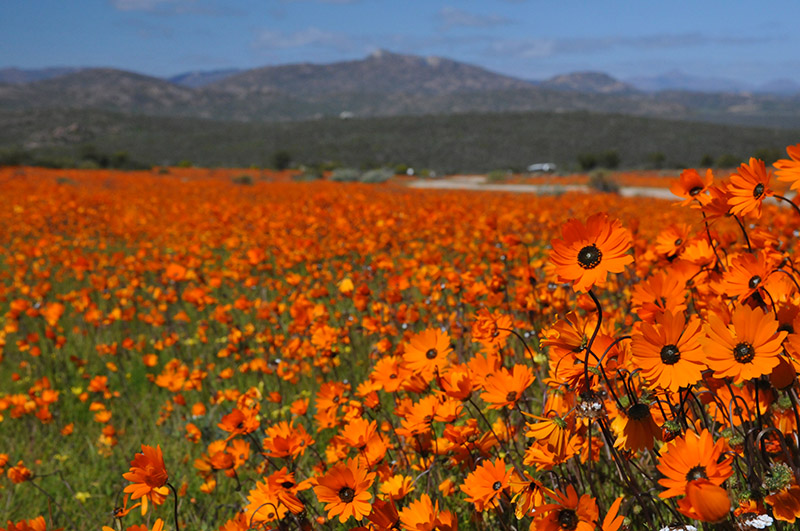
<point x="528" y="48"/>
<point x="309" y="37"/>
<point x="451" y="17"/>
<point x="151" y="5"/>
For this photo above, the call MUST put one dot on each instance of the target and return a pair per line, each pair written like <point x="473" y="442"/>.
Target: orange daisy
<point x="691" y="457"/>
<point x="635" y="428"/>
<point x="705" y="501"/>
<point x="486" y="484"/>
<point x="669" y="351"/>
<point x="505" y="388"/>
<point x="345" y="490"/>
<point x="692" y="187"/>
<point x="748" y="188"/>
<point x="748" y="273"/>
<point x="789" y="169"/>
<point x="570" y="512"/>
<point x="585" y="254"/>
<point x="424" y="515"/>
<point x="149" y="477"/>
<point x="428" y="352"/>
<point x="746" y="348"/>
<point x="671" y="241"/>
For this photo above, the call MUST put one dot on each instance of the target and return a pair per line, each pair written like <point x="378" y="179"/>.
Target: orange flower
<point x="427" y="352"/>
<point x="669" y="352"/>
<point x="505" y="388"/>
<point x="19" y="473"/>
<point x="692" y="457"/>
<point x="491" y="330"/>
<point x="613" y="520"/>
<point x="239" y="421"/>
<point x="671" y="240"/>
<point x="285" y="439"/>
<point x="692" y="187"/>
<point x="424" y="515"/>
<point x="744" y="349"/>
<point x="585" y="254"/>
<point x="486" y="484"/>
<point x="748" y="188"/>
<point x="568" y="513"/>
<point x="34" y="524"/>
<point x="705" y="501"/>
<point x="785" y="503"/>
<point x="389" y="373"/>
<point x="149" y="477"/>
<point x="635" y="428"/>
<point x="748" y="273"/>
<point x="789" y="170"/>
<point x="554" y="430"/>
<point x="384" y="516"/>
<point x="273" y="498"/>
<point x="528" y="495"/>
<point x="345" y="490"/>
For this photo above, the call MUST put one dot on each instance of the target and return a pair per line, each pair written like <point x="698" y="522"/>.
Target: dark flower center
<point x="678" y="242"/>
<point x="497" y="485"/>
<point x="589" y="257"/>
<point x="431" y="353"/>
<point x="755" y="280"/>
<point x="346" y="494"/>
<point x="567" y="519"/>
<point x="638" y="411"/>
<point x="696" y="472"/>
<point x="743" y="352"/>
<point x="287" y="484"/>
<point x="758" y="191"/>
<point x="670" y="355"/>
<point x="696" y="190"/>
<point x="511" y="396"/>
<point x="392" y="376"/>
<point x="336" y="399"/>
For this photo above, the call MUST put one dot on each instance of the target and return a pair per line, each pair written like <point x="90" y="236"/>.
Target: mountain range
<point x="391" y="84"/>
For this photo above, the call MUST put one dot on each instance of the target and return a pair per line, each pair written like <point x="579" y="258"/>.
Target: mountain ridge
<point x="383" y="84"/>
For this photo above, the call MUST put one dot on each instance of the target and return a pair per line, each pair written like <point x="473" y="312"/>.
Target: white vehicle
<point x="542" y="167"/>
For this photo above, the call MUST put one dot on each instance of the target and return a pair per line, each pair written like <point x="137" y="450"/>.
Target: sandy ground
<point x="478" y="182"/>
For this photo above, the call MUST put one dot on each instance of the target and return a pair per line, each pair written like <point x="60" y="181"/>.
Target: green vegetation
<point x="442" y="143"/>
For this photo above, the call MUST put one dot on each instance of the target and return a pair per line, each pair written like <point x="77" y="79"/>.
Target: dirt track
<point x="478" y="183"/>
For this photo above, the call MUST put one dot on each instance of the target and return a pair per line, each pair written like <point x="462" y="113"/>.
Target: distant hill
<point x="675" y="80"/>
<point x="446" y="143"/>
<point x="381" y="72"/>
<point x="592" y="82"/>
<point x="383" y="84"/>
<point x="199" y="79"/>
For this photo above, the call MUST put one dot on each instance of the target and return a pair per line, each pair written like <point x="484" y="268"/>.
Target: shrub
<point x="495" y="176"/>
<point x="281" y="159"/>
<point x="603" y="181"/>
<point x="379" y="175"/>
<point x="244" y="180"/>
<point x="768" y="155"/>
<point x="656" y="159"/>
<point x="308" y="175"/>
<point x="728" y="161"/>
<point x="345" y="175"/>
<point x="587" y="161"/>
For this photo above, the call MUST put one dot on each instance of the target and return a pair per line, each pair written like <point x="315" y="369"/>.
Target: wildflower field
<point x="182" y="350"/>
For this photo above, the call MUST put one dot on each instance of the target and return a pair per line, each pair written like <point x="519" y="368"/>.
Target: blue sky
<point x="534" y="39"/>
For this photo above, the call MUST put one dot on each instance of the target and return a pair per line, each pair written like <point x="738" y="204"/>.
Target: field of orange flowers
<point x="184" y="351"/>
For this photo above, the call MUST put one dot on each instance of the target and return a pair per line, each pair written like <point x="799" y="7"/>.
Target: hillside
<point x="462" y="142"/>
<point x="382" y="84"/>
